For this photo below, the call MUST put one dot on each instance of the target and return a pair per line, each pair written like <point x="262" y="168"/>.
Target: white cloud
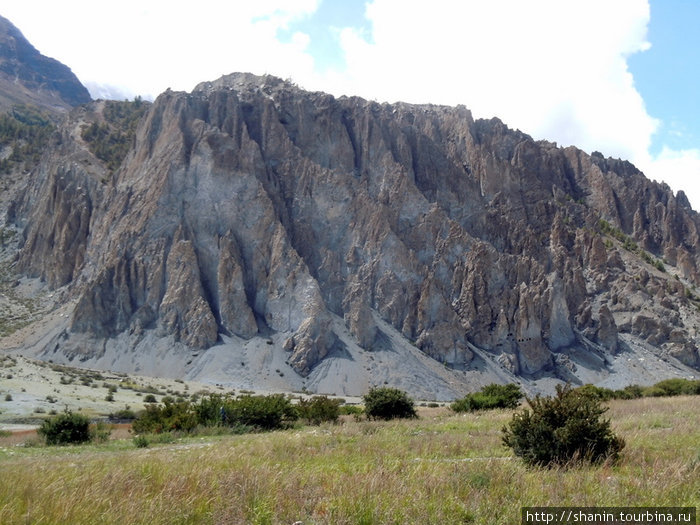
<point x="146" y="47"/>
<point x="554" y="69"/>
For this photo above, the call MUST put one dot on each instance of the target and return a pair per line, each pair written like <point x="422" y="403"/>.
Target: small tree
<point x="562" y="429"/>
<point x="65" y="428"/>
<point x="388" y="403"/>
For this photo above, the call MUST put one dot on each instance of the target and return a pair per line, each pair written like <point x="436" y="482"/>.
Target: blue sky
<point x="620" y="77"/>
<point x="668" y="74"/>
<point x="323" y="27"/>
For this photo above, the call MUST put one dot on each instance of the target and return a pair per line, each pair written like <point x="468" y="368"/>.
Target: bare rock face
<point x="358" y="314"/>
<point x="687" y="353"/>
<point x="249" y="206"/>
<point x="184" y="312"/>
<point x="234" y="311"/>
<point x="606" y="332"/>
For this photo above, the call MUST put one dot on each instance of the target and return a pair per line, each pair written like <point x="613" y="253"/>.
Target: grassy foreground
<point x="442" y="468"/>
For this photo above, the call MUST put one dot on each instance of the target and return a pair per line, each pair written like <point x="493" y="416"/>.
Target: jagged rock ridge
<point x="251" y="207"/>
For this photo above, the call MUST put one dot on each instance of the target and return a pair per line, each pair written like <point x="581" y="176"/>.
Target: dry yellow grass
<point x="442" y="468"/>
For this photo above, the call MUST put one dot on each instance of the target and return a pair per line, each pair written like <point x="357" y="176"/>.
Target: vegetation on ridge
<point x="111" y="140"/>
<point x="629" y="244"/>
<point x="26" y="130"/>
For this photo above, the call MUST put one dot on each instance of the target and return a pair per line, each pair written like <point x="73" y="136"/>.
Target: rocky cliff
<point x="250" y="210"/>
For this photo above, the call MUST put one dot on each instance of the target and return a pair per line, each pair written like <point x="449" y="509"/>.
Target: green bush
<point x="140" y="441"/>
<point x="319" y="409"/>
<point x="124" y="414"/>
<point x="350" y="410"/>
<point x="241" y="414"/>
<point x="561" y="430"/>
<point x="65" y="428"/>
<point x="489" y="397"/>
<point x="597" y="392"/>
<point x="678" y="387"/>
<point x="630" y="392"/>
<point x="654" y="391"/>
<point x="263" y="412"/>
<point x="211" y="410"/>
<point x="167" y="417"/>
<point x="388" y="403"/>
<point x="100" y="432"/>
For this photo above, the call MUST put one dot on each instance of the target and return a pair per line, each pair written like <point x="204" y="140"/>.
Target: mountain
<point x="257" y="235"/>
<point x="28" y="77"/>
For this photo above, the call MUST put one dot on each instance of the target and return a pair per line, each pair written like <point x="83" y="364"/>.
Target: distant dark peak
<point x="21" y="63"/>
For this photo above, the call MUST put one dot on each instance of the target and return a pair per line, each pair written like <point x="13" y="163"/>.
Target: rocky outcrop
<point x="250" y="207"/>
<point x="184" y="312"/>
<point x="236" y="315"/>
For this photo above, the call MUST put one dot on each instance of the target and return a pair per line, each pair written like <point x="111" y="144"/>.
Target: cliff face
<point x="250" y="207"/>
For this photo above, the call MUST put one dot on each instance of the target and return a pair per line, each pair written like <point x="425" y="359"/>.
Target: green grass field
<point x="443" y="468"/>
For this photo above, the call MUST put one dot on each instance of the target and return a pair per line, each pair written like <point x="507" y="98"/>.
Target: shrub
<point x="242" y="414"/>
<point x="489" y="397"/>
<point x="604" y="394"/>
<point x="388" y="403"/>
<point x="654" y="391"/>
<point x="263" y="412"/>
<point x="150" y="398"/>
<point x="350" y="410"/>
<point x="319" y="409"/>
<point x="100" y="432"/>
<point x="166" y="417"/>
<point x="563" y="429"/>
<point x="124" y="414"/>
<point x="630" y="392"/>
<point x="678" y="387"/>
<point x="210" y="409"/>
<point x="140" y="441"/>
<point x="65" y="428"/>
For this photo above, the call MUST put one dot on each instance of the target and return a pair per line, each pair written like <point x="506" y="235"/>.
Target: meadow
<point x="440" y="468"/>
